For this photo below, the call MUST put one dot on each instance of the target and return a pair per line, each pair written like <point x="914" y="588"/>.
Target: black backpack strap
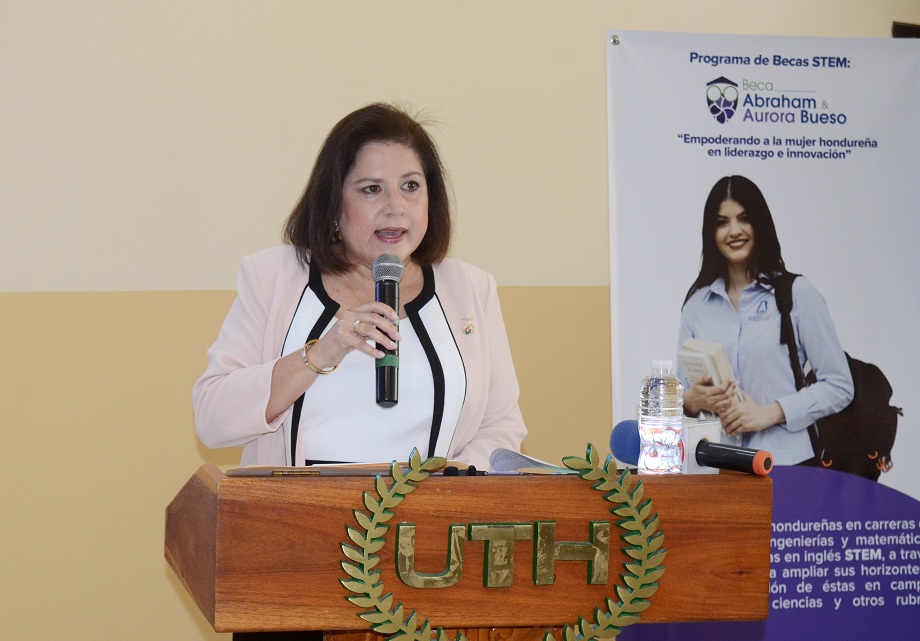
<point x="782" y="290"/>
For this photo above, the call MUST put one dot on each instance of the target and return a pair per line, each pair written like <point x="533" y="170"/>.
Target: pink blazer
<point x="231" y="396"/>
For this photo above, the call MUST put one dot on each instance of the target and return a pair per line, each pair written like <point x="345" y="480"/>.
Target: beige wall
<point x="146" y="147"/>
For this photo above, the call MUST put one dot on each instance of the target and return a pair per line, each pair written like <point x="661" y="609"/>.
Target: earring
<point x="336" y="233"/>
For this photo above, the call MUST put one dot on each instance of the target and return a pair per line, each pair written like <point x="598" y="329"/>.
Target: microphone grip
<point x="387" y="368"/>
<point x="731" y="457"/>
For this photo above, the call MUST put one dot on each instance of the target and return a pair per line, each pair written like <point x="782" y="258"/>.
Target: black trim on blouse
<point x="413" y="309"/>
<point x="330" y="307"/>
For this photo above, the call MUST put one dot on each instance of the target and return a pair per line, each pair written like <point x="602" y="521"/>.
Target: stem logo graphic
<point x="722" y="99"/>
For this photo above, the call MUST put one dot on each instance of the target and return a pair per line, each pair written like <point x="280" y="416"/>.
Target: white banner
<point x="829" y="129"/>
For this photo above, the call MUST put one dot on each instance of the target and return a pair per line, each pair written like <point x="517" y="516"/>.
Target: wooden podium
<point x="264" y="553"/>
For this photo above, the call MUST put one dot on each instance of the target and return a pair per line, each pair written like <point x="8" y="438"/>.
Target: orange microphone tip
<point x="762" y="463"/>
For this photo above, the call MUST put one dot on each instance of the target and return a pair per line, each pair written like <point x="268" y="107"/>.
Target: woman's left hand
<point x="749" y="416"/>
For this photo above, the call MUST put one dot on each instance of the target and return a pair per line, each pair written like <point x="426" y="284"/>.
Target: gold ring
<point x="355" y="328"/>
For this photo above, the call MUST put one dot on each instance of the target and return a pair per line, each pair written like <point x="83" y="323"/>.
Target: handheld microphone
<point x="624" y="445"/>
<point x="732" y="457"/>
<point x="387" y="271"/>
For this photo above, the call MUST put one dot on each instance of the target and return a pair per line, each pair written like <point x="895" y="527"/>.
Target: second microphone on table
<point x="387" y="271"/>
<point x="625" y="443"/>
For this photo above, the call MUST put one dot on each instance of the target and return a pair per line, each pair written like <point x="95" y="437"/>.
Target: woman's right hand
<point x="704" y="396"/>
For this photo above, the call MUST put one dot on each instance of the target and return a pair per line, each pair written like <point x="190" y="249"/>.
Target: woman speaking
<point x="291" y="376"/>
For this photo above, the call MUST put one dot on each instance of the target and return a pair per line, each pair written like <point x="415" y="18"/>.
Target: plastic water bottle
<point x="661" y="411"/>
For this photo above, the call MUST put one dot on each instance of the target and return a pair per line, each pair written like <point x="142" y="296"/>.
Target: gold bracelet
<point x="306" y="361"/>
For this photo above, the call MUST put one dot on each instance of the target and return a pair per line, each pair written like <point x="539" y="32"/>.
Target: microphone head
<point x="387" y="267"/>
<point x="762" y="463"/>
<point x="624" y="442"/>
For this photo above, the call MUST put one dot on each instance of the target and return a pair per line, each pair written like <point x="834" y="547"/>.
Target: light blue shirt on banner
<point x="750" y="336"/>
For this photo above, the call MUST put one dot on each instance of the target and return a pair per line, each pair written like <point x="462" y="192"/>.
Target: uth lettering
<point x="498" y="556"/>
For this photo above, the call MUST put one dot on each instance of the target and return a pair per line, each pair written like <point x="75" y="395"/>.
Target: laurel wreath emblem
<point x="637" y="520"/>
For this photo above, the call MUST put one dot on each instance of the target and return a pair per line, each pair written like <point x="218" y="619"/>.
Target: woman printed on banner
<point x="732" y="302"/>
<point x="291" y="378"/>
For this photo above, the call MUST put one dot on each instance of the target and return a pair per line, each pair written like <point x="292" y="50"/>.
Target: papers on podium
<point x="508" y="461"/>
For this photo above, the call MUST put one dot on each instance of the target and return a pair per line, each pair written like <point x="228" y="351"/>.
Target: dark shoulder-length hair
<point x="767" y="259"/>
<point x="311" y="227"/>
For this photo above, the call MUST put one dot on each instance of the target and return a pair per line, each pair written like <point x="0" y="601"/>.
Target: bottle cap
<point x="662" y="364"/>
